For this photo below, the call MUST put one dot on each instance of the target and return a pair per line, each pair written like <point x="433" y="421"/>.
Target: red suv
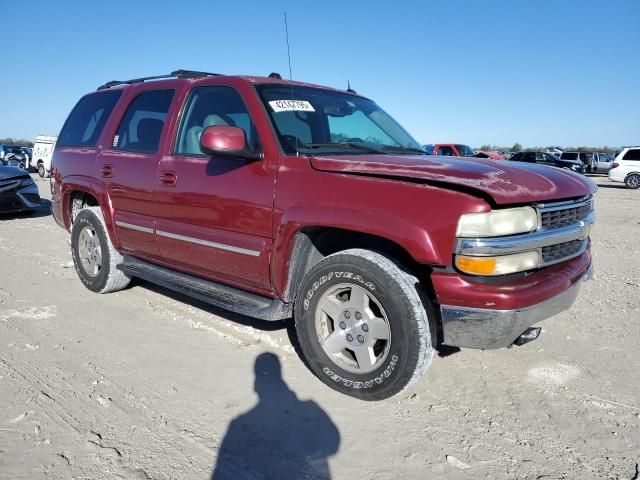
<point x="280" y="199"/>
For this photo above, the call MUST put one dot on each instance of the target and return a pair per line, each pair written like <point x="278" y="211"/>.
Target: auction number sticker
<point x="291" y="106"/>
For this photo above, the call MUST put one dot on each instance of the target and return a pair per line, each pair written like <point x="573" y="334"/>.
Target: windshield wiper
<point x="405" y="149"/>
<point x="342" y="145"/>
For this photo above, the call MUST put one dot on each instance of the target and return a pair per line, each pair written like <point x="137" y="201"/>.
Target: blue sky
<point x="559" y="72"/>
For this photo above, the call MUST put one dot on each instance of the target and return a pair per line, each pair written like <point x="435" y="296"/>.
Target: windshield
<point x="465" y="151"/>
<point x="316" y="121"/>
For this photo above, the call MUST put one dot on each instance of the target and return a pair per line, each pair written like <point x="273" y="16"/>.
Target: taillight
<point x="615" y="165"/>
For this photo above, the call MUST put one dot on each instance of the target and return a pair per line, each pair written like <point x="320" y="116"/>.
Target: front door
<point x="129" y="169"/>
<point x="215" y="213"/>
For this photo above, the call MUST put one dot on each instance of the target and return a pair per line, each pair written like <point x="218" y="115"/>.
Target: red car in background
<point x="460" y="150"/>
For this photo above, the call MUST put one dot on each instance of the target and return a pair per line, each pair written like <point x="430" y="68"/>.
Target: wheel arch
<point x="300" y="244"/>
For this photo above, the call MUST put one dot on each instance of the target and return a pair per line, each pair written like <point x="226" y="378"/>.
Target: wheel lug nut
<point x="360" y="338"/>
<point x="343" y="325"/>
<point x="347" y="315"/>
<point x="365" y="327"/>
<point x="350" y="337"/>
<point x="358" y="315"/>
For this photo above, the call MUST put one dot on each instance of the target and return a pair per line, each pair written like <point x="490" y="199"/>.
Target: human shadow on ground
<point x="281" y="437"/>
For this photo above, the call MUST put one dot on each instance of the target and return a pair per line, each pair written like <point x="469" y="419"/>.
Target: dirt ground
<point x="146" y="384"/>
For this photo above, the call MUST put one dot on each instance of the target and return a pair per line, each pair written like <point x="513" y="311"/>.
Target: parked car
<point x="453" y="150"/>
<point x="15" y="154"/>
<point x="18" y="191"/>
<point x="489" y="154"/>
<point x="42" y="151"/>
<point x="544" y="158"/>
<point x="265" y="197"/>
<point x="593" y="162"/>
<point x="626" y="167"/>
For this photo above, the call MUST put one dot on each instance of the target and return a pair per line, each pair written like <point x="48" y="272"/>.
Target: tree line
<point x="16" y="141"/>
<point x="519" y="148"/>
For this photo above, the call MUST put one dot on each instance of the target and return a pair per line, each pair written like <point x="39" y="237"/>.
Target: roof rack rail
<point x="174" y="74"/>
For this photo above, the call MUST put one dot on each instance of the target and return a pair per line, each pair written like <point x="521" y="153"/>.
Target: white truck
<point x="42" y="151"/>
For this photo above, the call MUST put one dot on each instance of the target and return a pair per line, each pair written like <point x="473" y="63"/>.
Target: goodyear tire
<point x="94" y="256"/>
<point x="362" y="325"/>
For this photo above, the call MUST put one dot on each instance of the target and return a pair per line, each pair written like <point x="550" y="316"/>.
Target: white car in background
<point x="626" y="167"/>
<point x="42" y="151"/>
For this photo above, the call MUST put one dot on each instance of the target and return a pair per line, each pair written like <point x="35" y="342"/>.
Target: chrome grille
<point x="562" y="251"/>
<point x="552" y="217"/>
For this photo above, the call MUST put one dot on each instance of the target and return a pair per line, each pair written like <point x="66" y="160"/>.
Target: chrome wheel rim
<point x="352" y="328"/>
<point x="89" y="251"/>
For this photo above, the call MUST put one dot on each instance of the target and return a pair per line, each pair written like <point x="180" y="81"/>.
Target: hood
<point x="505" y="182"/>
<point x="11" y="172"/>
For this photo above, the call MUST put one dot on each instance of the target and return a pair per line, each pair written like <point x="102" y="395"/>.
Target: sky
<point x="545" y="72"/>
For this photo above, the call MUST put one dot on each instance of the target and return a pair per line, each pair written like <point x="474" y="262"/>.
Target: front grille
<point x="565" y="217"/>
<point x="561" y="251"/>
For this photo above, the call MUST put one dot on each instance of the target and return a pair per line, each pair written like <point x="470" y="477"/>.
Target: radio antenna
<point x="286" y="34"/>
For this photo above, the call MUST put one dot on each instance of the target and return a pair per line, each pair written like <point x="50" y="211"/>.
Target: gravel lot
<point x="145" y="384"/>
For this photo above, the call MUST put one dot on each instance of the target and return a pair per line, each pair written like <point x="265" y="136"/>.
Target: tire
<point x="41" y="170"/>
<point x="632" y="181"/>
<point x="372" y="363"/>
<point x="94" y="257"/>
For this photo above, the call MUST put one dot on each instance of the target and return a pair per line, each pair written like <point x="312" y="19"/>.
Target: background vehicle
<point x="593" y="162"/>
<point x="453" y="150"/>
<point x="18" y="191"/>
<point x="489" y="154"/>
<point x="275" y="199"/>
<point x="626" y="167"/>
<point x="42" y="151"/>
<point x="14" y="154"/>
<point x="544" y="158"/>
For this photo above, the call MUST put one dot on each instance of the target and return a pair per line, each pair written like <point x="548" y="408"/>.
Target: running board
<point x="223" y="296"/>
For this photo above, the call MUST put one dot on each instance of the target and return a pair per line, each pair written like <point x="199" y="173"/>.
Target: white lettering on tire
<point x="367" y="384"/>
<point x="357" y="278"/>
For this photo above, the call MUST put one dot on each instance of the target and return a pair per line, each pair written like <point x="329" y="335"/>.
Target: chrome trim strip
<point x="131" y="226"/>
<point x="565" y="204"/>
<point x="489" y="247"/>
<point x="207" y="243"/>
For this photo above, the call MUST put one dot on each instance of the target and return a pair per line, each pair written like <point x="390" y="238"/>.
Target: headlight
<point x="498" y="222"/>
<point x="502" y="265"/>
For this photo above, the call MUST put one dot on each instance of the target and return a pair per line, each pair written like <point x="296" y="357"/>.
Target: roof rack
<point x="174" y="74"/>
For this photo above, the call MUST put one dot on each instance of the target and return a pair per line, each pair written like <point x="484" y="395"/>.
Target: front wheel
<point x="362" y="325"/>
<point x="632" y="181"/>
<point x="41" y="170"/>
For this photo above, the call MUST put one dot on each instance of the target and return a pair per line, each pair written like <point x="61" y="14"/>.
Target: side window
<point x="141" y="127"/>
<point x="211" y="106"/>
<point x="529" y="157"/>
<point x="87" y="119"/>
<point x="633" y="154"/>
<point x="540" y="158"/>
<point x="446" y="151"/>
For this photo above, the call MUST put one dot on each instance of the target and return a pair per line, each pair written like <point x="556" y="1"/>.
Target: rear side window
<point x="632" y="154"/>
<point x="87" y="119"/>
<point x="446" y="151"/>
<point x="141" y="127"/>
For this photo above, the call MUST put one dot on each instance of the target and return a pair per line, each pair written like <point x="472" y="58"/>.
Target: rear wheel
<point x="41" y="170"/>
<point x="362" y="326"/>
<point x="632" y="181"/>
<point x="94" y="256"/>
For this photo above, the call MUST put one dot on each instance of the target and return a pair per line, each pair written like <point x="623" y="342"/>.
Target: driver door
<point x="215" y="213"/>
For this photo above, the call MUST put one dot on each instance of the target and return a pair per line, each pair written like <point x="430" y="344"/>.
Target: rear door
<point x="128" y="168"/>
<point x="215" y="213"/>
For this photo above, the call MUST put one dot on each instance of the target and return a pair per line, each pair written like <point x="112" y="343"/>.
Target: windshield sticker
<point x="291" y="106"/>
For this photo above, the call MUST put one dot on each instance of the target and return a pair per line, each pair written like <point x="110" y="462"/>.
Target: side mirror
<point x="226" y="141"/>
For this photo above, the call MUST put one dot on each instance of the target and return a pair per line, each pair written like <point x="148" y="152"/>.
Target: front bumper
<point x="489" y="329"/>
<point x="20" y="199"/>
